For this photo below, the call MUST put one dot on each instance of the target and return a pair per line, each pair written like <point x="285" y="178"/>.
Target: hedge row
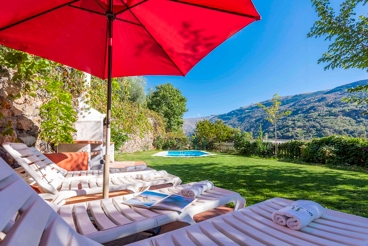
<point x="326" y="150"/>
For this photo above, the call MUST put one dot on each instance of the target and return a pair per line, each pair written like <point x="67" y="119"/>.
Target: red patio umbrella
<point x="114" y="38"/>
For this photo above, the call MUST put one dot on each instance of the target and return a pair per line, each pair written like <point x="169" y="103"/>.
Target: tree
<point x="170" y="103"/>
<point x="133" y="89"/>
<point x="273" y="114"/>
<point x="349" y="48"/>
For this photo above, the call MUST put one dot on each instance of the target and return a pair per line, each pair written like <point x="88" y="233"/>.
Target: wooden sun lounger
<point x="57" y="185"/>
<point x="253" y="226"/>
<point x="26" y="219"/>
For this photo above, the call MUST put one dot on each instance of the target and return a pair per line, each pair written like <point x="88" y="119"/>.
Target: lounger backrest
<point x="47" y="161"/>
<point x="26" y="219"/>
<point x="47" y="177"/>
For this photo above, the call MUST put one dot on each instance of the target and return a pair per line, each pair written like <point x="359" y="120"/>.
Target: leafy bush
<point x="171" y="141"/>
<point x="335" y="150"/>
<point x="242" y="142"/>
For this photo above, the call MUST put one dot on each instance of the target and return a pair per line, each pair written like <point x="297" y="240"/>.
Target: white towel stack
<point x="298" y="214"/>
<point x="197" y="189"/>
<point x="153" y="175"/>
<point x="135" y="168"/>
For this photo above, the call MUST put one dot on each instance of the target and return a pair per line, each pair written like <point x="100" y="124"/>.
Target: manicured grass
<point x="261" y="179"/>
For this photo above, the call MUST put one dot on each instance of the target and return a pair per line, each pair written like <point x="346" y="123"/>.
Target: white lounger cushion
<point x="253" y="225"/>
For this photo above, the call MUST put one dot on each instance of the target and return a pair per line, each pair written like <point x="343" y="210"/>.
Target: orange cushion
<point x="71" y="161"/>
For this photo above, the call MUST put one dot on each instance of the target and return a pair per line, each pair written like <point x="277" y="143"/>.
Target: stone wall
<point x="137" y="143"/>
<point x="18" y="112"/>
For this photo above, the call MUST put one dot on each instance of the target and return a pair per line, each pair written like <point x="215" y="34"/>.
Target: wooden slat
<point x="255" y="221"/>
<point x="128" y="212"/>
<point x="74" y="184"/>
<point x="65" y="186"/>
<point x="83" y="223"/>
<point x="92" y="183"/>
<point x="85" y="184"/>
<point x="25" y="152"/>
<point x="207" y="234"/>
<point x="66" y="212"/>
<point x="52" y="235"/>
<point x="101" y="219"/>
<point x="352" y="221"/>
<point x="254" y="211"/>
<point x="113" y="213"/>
<point x="30" y="159"/>
<point x="12" y="197"/>
<point x="18" y="146"/>
<point x="238" y="236"/>
<point x="25" y="228"/>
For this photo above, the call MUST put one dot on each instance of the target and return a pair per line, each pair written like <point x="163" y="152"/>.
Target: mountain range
<point x="315" y="114"/>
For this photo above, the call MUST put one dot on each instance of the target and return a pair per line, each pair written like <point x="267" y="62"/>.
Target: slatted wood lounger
<point x="57" y="186"/>
<point x="101" y="220"/>
<point x="253" y="226"/>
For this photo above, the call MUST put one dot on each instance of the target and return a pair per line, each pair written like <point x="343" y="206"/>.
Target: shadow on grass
<point x="335" y="189"/>
<point x="259" y="179"/>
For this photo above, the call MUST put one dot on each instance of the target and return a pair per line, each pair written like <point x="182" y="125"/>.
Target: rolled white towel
<point x="206" y="185"/>
<point x="191" y="192"/>
<point x="279" y="218"/>
<point x="200" y="187"/>
<point x="298" y="214"/>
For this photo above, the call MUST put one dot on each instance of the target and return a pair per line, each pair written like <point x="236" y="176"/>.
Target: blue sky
<point x="270" y="56"/>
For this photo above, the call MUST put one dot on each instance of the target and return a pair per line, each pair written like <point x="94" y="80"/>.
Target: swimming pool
<point x="183" y="153"/>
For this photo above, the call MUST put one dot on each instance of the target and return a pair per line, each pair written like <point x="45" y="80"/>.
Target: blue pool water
<point x="183" y="153"/>
<point x="186" y="153"/>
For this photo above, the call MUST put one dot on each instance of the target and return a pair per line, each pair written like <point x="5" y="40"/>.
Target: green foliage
<point x="30" y="70"/>
<point x="58" y="115"/>
<point x="212" y="134"/>
<point x="332" y="150"/>
<point x="337" y="150"/>
<point x="242" y="142"/>
<point x="273" y="114"/>
<point x="348" y="33"/>
<point x="361" y="99"/>
<point x="170" y="103"/>
<point x="171" y="141"/>
<point x="127" y="117"/>
<point x="292" y="149"/>
<point x="137" y="93"/>
<point x="61" y="84"/>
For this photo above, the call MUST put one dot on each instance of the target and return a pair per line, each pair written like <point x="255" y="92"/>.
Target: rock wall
<point x="19" y="114"/>
<point x="137" y="143"/>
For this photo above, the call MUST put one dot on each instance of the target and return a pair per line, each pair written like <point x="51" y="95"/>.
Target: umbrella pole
<point x="106" y="172"/>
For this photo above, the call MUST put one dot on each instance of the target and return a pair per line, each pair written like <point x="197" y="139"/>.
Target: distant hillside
<point x="316" y="114"/>
<point x="190" y="124"/>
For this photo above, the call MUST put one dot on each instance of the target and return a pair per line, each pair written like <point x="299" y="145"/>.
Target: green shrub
<point x="171" y="141"/>
<point x="334" y="150"/>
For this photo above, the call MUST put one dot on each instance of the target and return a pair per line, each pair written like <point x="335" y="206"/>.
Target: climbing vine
<point x="59" y="84"/>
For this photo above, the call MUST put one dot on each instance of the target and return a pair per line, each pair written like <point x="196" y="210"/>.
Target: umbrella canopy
<point x="115" y="38"/>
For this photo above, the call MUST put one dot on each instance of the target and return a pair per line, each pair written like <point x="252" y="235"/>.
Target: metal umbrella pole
<point x="110" y="16"/>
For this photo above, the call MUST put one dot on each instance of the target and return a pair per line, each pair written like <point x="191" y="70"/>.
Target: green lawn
<point x="261" y="179"/>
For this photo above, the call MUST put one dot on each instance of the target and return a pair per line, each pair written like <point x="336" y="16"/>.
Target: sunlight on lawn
<point x="261" y="179"/>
